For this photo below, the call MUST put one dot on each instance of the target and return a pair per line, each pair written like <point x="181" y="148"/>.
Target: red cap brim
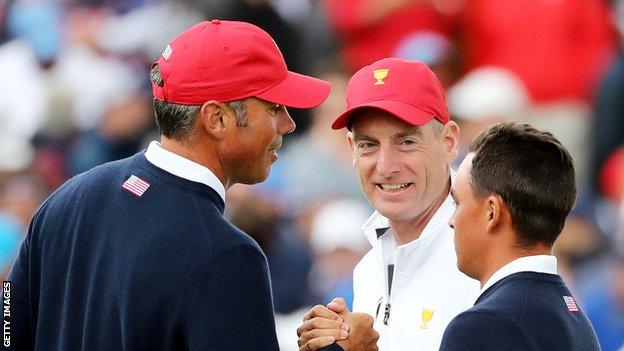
<point x="298" y="91"/>
<point x="406" y="112"/>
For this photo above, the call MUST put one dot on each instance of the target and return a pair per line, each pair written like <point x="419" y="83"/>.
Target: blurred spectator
<point x="612" y="187"/>
<point x="318" y="166"/>
<point x="288" y="257"/>
<point x="369" y="30"/>
<point x="482" y="98"/>
<point x="120" y="134"/>
<point x="316" y="37"/>
<point x="10" y="239"/>
<point x="603" y="299"/>
<point x="607" y="133"/>
<point x="338" y="245"/>
<point x="135" y="32"/>
<point x="20" y="195"/>
<point x="559" y="49"/>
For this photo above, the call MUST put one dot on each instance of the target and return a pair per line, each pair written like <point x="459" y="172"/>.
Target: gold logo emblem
<point x="427" y="314"/>
<point x="380" y="75"/>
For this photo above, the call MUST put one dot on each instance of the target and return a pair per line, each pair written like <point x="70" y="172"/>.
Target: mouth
<point x="273" y="152"/>
<point x="392" y="187"/>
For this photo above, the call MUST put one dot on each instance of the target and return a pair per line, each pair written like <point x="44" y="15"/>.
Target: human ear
<point x="350" y="141"/>
<point x="213" y="119"/>
<point x="450" y="134"/>
<point x="494" y="208"/>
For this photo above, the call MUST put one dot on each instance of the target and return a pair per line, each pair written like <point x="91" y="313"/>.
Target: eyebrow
<point x="412" y="131"/>
<point x="409" y="132"/>
<point x="358" y="137"/>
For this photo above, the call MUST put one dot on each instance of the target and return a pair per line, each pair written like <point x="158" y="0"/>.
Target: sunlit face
<point x="469" y="222"/>
<point x="253" y="147"/>
<point x="403" y="169"/>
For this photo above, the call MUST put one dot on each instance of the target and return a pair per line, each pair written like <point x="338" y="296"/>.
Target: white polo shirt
<point x="427" y="290"/>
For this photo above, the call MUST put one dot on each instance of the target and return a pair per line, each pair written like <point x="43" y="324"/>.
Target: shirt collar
<point x="183" y="167"/>
<point x="537" y="263"/>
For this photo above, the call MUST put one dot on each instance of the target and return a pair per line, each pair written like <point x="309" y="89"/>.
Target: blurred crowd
<point x="74" y="93"/>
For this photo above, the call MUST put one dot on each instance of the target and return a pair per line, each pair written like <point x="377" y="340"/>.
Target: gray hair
<point x="178" y="121"/>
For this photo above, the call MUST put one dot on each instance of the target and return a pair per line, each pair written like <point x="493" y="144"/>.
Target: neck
<point x="408" y="231"/>
<point x="503" y="257"/>
<point x="198" y="153"/>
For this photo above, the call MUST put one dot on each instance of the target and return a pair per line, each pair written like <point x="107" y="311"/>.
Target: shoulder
<point x="94" y="178"/>
<point x="480" y="330"/>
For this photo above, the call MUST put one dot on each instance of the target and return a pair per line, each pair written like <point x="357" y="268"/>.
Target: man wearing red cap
<point x="136" y="254"/>
<point x="403" y="143"/>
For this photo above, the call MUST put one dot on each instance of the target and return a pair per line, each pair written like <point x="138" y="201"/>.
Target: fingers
<point x="317" y="343"/>
<point x="320" y="323"/>
<point x="336" y="334"/>
<point x="321" y="311"/>
<point x="338" y="305"/>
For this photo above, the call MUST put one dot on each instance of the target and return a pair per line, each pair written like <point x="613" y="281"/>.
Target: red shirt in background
<point x="559" y="48"/>
<point x="364" y="43"/>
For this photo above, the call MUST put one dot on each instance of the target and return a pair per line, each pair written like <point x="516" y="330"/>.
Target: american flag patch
<point x="136" y="185"/>
<point x="167" y="53"/>
<point x="570" y="303"/>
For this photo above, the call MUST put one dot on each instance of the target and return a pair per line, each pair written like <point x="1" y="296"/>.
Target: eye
<point x="365" y="145"/>
<point x="407" y="142"/>
<point x="274" y="109"/>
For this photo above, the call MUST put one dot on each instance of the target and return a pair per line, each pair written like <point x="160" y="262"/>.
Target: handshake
<point x="324" y="325"/>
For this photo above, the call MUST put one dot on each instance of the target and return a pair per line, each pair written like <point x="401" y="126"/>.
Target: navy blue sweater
<point x="104" y="269"/>
<point x="524" y="311"/>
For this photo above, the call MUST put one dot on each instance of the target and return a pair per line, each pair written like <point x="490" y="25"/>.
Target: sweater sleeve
<point x="483" y="331"/>
<point x="332" y="347"/>
<point x="231" y="307"/>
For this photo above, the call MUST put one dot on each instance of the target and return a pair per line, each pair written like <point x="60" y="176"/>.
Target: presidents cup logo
<point x="380" y="75"/>
<point x="427" y="314"/>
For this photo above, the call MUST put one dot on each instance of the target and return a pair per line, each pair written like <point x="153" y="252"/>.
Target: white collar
<point x="537" y="263"/>
<point x="183" y="167"/>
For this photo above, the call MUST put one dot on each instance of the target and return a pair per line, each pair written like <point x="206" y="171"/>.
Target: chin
<point x="255" y="178"/>
<point x="394" y="213"/>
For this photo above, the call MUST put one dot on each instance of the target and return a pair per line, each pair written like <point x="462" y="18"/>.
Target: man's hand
<point x="362" y="336"/>
<point x="325" y="325"/>
<point x="321" y="327"/>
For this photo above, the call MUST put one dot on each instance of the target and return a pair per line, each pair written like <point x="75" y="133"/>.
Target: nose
<point x="286" y="123"/>
<point x="387" y="162"/>
<point x="452" y="221"/>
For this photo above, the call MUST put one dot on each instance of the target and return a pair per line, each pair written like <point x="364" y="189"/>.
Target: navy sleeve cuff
<point x="332" y="347"/>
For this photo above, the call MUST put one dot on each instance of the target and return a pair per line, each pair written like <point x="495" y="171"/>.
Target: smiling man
<point x="136" y="254"/>
<point x="403" y="142"/>
<point x="513" y="193"/>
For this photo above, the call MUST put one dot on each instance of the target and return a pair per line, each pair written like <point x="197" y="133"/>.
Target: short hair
<point x="534" y="175"/>
<point x="178" y="121"/>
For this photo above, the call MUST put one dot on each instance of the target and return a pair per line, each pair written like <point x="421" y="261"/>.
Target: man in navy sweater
<point x="513" y="193"/>
<point x="136" y="254"/>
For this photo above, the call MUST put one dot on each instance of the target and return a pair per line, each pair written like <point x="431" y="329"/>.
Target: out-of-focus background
<point x="74" y="94"/>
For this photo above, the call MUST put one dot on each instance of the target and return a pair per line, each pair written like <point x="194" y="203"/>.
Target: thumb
<point x="338" y="305"/>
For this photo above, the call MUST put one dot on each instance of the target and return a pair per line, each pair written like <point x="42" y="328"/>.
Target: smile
<point x="393" y="187"/>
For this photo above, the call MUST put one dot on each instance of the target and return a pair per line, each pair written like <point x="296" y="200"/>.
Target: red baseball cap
<point x="407" y="89"/>
<point x="230" y="60"/>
